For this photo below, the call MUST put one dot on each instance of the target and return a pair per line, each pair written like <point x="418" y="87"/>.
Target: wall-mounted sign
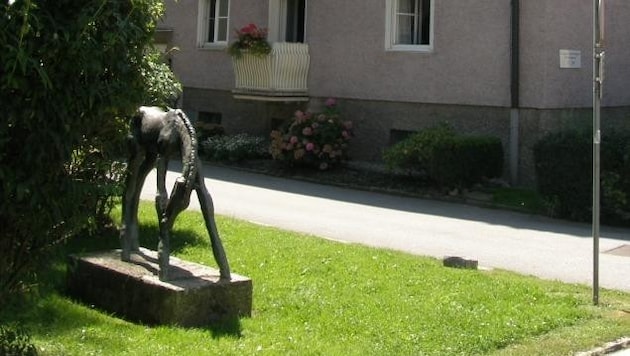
<point x="570" y="58"/>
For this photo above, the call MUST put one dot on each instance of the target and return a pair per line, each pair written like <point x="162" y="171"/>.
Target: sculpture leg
<point x="161" y="196"/>
<point x="207" y="209"/>
<point x="136" y="174"/>
<point x="168" y="209"/>
<point x="164" y="248"/>
<point x="165" y="224"/>
<point x="145" y="168"/>
<point x="176" y="204"/>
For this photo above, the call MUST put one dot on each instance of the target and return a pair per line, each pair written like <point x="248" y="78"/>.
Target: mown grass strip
<point x="313" y="296"/>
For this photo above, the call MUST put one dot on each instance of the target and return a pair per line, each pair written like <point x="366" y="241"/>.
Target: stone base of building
<point x="195" y="296"/>
<point x="379" y="124"/>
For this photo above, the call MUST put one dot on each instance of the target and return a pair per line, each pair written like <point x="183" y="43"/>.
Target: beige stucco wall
<point x="206" y="68"/>
<point x="465" y="79"/>
<point x="548" y="26"/>
<point x="470" y="63"/>
<point x="617" y="82"/>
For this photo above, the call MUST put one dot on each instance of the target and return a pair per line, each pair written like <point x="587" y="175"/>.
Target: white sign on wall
<point x="570" y="58"/>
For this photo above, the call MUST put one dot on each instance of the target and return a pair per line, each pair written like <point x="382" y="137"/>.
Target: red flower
<point x="248" y="29"/>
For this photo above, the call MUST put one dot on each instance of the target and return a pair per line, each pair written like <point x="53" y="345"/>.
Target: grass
<point x="522" y="199"/>
<point x="314" y="296"/>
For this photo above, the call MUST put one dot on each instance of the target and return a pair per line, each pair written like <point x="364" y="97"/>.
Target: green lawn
<point x="521" y="199"/>
<point x="314" y="296"/>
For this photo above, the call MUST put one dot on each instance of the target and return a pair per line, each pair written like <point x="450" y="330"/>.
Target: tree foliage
<point x="70" y="72"/>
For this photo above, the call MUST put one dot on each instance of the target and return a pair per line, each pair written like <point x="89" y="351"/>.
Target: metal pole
<point x="598" y="78"/>
<point x="514" y="90"/>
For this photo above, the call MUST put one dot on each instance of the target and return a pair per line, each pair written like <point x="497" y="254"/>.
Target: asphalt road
<point x="527" y="244"/>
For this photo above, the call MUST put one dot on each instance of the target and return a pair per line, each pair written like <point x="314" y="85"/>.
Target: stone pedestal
<point x="193" y="297"/>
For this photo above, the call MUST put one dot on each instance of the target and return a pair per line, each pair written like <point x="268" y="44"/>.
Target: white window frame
<point x="203" y="22"/>
<point x="391" y="24"/>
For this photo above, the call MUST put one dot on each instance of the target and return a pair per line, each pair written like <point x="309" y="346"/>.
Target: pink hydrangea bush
<point x="317" y="140"/>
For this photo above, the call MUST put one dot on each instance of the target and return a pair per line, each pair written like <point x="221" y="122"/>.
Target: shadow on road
<point x="409" y="204"/>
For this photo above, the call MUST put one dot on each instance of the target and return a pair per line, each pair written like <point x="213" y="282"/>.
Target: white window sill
<point x="410" y="49"/>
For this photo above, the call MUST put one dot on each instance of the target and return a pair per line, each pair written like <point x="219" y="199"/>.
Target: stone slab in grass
<point x="460" y="262"/>
<point x="193" y="297"/>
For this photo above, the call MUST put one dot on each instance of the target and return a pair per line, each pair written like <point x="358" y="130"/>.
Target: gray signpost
<point x="598" y="79"/>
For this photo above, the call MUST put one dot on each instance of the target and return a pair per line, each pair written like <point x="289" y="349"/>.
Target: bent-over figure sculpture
<point x="155" y="136"/>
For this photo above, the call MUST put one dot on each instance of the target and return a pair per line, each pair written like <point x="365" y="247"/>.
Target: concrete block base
<point x="193" y="297"/>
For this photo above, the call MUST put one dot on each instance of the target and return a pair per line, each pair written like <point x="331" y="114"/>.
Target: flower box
<point x="281" y="73"/>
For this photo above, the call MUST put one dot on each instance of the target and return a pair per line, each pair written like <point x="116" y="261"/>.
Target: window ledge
<point x="270" y="95"/>
<point x="410" y="48"/>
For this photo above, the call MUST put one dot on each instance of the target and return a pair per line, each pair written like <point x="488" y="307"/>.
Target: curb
<point x="618" y="345"/>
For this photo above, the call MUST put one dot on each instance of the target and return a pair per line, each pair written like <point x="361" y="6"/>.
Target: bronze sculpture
<point x="155" y="136"/>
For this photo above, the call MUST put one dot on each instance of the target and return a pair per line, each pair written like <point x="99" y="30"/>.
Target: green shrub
<point x="466" y="160"/>
<point x="15" y="341"/>
<point x="414" y="153"/>
<point x="234" y="148"/>
<point x="314" y="140"/>
<point x="78" y="68"/>
<point x="564" y="171"/>
<point x="206" y="130"/>
<point x="446" y="158"/>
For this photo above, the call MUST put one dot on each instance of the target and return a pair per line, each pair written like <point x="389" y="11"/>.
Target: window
<point x="210" y="117"/>
<point x="409" y="25"/>
<point x="287" y="20"/>
<point x="296" y="11"/>
<point x="213" y="23"/>
<point x="208" y="124"/>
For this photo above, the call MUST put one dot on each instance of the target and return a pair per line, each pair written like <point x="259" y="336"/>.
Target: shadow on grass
<point x="49" y="309"/>
<point x="227" y="327"/>
<point x="58" y="316"/>
<point x="179" y="238"/>
<point x="109" y="239"/>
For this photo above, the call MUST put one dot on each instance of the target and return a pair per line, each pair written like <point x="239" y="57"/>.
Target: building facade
<point x="508" y="68"/>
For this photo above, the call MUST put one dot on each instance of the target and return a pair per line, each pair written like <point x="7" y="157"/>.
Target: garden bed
<point x="375" y="177"/>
